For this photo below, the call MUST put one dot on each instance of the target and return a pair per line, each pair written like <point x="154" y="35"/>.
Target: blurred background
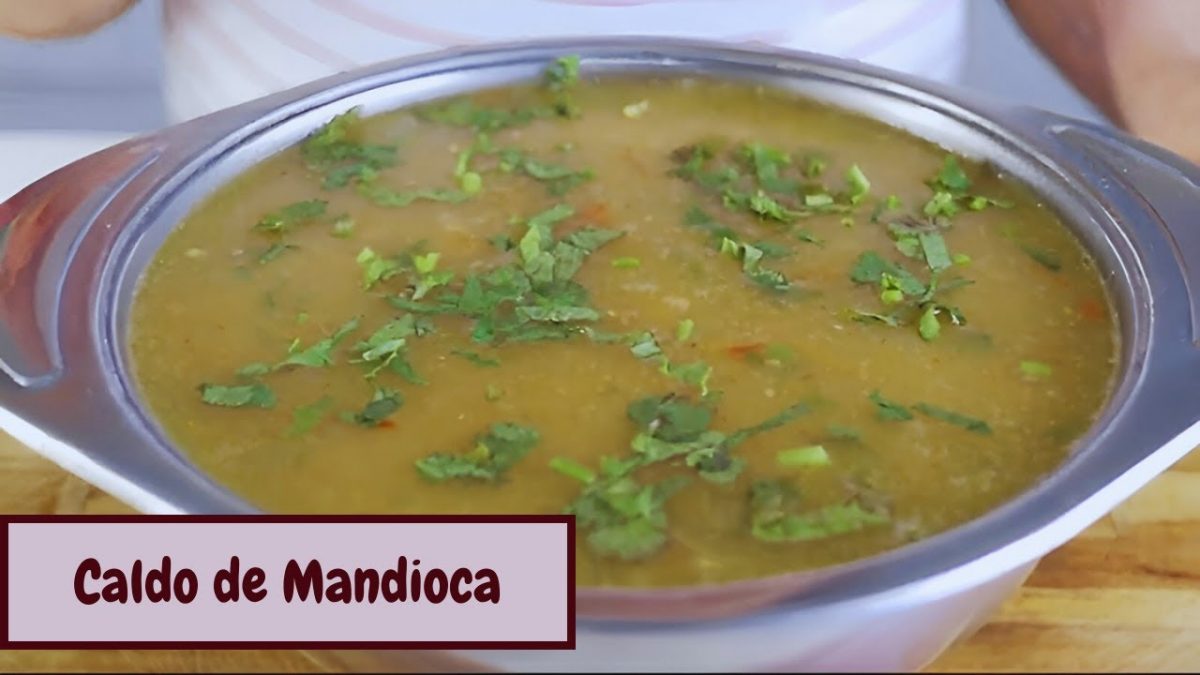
<point x="62" y="98"/>
<point x="110" y="80"/>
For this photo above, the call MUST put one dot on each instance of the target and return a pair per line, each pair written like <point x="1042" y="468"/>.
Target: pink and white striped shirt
<point x="223" y="52"/>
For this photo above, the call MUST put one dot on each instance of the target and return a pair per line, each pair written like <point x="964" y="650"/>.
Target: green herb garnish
<point x="320" y="354"/>
<point x="494" y="453"/>
<point x="969" y="423"/>
<point x="376" y="268"/>
<point x="840" y="432"/>
<point x="811" y="455"/>
<point x="292" y="216"/>
<point x="274" y="251"/>
<point x="305" y="418"/>
<point x="1035" y="370"/>
<point x="889" y="411"/>
<point x="859" y="185"/>
<point x="387" y="347"/>
<point x="561" y="78"/>
<point x="428" y="277"/>
<point x="255" y="395"/>
<point x="752" y="268"/>
<point x="383" y="404"/>
<point x="332" y="151"/>
<point x="775" y="517"/>
<point x="685" y="329"/>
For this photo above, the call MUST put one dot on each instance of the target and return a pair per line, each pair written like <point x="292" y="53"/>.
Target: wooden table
<point x="1123" y="596"/>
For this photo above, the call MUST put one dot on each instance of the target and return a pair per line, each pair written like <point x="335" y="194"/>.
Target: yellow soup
<point x="734" y="332"/>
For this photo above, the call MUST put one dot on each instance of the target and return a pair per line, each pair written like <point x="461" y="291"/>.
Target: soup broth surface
<point x="719" y="347"/>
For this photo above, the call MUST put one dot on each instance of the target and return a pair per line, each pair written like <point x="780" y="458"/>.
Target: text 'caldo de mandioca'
<point x="298" y="582"/>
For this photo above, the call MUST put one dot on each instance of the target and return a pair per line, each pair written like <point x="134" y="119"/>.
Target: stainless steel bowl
<point x="76" y="243"/>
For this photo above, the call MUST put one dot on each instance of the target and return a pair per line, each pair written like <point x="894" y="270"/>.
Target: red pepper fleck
<point x="742" y="351"/>
<point x="1092" y="309"/>
<point x="596" y="212"/>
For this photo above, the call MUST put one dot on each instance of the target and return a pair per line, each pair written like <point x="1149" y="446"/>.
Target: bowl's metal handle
<point x="40" y="229"/>
<point x="1168" y="187"/>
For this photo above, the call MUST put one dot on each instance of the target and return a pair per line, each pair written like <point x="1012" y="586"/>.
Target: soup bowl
<point x="76" y="243"/>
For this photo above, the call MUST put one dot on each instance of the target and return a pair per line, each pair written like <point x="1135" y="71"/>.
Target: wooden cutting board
<point x="1123" y="596"/>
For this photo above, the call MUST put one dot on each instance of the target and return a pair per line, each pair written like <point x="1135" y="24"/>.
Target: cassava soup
<point x="734" y="332"/>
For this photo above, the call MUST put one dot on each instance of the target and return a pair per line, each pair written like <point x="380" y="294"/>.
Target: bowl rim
<point x="1116" y="455"/>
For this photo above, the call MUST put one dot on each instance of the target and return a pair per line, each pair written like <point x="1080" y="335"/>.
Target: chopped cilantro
<point x="889" y="411"/>
<point x="934" y="248"/>
<point x="254" y="370"/>
<point x="559" y="179"/>
<point x="624" y="519"/>
<point x="306" y="417"/>
<point x="870" y="268"/>
<point x="462" y="112"/>
<point x="670" y="418"/>
<point x="292" y="215"/>
<point x="768" y="165"/>
<point x="332" y="151"/>
<point x="818" y="200"/>
<point x="929" y="327"/>
<point x="502" y="242"/>
<point x="951" y="177"/>
<point x="385" y="196"/>
<point x="320" y="354"/>
<point x="387" y="347"/>
<point x="382" y="405"/>
<point x="470" y="183"/>
<point x="1035" y="370"/>
<point x="558" y="314"/>
<point x="979" y="203"/>
<point x="692" y="374"/>
<point x="840" y="432"/>
<point x="644" y="346"/>
<point x="774" y="422"/>
<point x="685" y="329"/>
<point x="968" y="423"/>
<point x="428" y="278"/>
<point x="561" y="77"/>
<point x="1043" y="257"/>
<point x="774" y="517"/>
<point x="950" y="187"/>
<point x="752" y="268"/>
<point x="274" y="251"/>
<point x="811" y="455"/>
<point x="700" y="219"/>
<point x="941" y="204"/>
<point x="859" y="185"/>
<point x="494" y="453"/>
<point x="375" y="268"/>
<point x="572" y="469"/>
<point x="626" y="263"/>
<point x="255" y="395"/>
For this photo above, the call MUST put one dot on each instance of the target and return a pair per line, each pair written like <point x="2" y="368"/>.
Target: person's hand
<point x="1139" y="62"/>
<point x="45" y="19"/>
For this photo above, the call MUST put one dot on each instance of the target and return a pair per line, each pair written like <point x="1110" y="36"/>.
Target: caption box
<point x="277" y="582"/>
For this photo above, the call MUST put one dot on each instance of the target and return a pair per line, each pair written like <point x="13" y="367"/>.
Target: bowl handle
<point x="1167" y="186"/>
<point x="40" y="228"/>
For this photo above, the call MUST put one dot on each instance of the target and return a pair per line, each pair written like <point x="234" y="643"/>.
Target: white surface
<point x="26" y="156"/>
